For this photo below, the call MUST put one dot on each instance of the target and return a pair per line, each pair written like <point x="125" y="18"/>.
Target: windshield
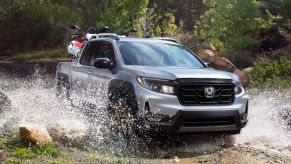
<point x="157" y="54"/>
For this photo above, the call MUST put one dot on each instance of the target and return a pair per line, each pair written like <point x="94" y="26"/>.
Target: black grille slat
<point x="193" y="93"/>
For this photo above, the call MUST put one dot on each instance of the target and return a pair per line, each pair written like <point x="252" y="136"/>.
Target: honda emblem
<point x="209" y="92"/>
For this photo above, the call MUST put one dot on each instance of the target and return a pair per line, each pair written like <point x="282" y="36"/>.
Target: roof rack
<point x="103" y="35"/>
<point x="108" y="35"/>
<point x="166" y="39"/>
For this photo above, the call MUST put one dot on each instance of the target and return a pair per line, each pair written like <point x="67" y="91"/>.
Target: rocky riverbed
<point x="266" y="139"/>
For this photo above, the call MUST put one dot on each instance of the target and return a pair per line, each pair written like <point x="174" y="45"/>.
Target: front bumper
<point x="160" y="112"/>
<point x="198" y="122"/>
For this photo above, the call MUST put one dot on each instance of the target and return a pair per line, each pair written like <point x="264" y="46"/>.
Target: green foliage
<point x="10" y="161"/>
<point x="276" y="72"/>
<point x="123" y="161"/>
<point x="41" y="150"/>
<point x="168" y="25"/>
<point x="45" y="54"/>
<point x="23" y="152"/>
<point x="286" y="9"/>
<point x="47" y="150"/>
<point x="160" y="19"/>
<point x="233" y="24"/>
<point x="121" y="15"/>
<point x="32" y="25"/>
<point x="118" y="15"/>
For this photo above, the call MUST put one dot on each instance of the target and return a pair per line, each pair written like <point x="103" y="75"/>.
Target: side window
<point x="103" y="50"/>
<point x="87" y="54"/>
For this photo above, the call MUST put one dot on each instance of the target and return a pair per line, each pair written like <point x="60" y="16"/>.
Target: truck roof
<point x="125" y="38"/>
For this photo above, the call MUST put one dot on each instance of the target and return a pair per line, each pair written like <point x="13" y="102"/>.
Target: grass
<point x="16" y="152"/>
<point x="36" y="55"/>
<point x="274" y="74"/>
<point x="32" y="152"/>
<point x="21" y="151"/>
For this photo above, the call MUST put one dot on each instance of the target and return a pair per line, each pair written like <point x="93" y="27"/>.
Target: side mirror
<point x="104" y="63"/>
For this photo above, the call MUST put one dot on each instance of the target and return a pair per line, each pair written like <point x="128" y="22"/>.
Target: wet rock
<point x="249" y="70"/>
<point x="243" y="77"/>
<point x="69" y="132"/>
<point x="5" y="103"/>
<point x="206" y="55"/>
<point x="34" y="135"/>
<point x="224" y="64"/>
<point x="221" y="63"/>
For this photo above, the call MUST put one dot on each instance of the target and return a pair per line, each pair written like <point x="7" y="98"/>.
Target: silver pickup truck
<point x="158" y="83"/>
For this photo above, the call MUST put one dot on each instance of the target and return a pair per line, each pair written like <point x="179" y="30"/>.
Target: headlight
<point x="156" y="85"/>
<point x="238" y="89"/>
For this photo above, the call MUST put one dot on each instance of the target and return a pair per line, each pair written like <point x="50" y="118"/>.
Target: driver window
<point x="96" y="50"/>
<point x="103" y="50"/>
<point x="87" y="54"/>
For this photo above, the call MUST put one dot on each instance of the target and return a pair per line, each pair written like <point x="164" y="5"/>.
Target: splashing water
<point x="268" y="118"/>
<point x="34" y="102"/>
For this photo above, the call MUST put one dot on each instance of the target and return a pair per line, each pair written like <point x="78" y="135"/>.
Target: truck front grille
<point x="194" y="93"/>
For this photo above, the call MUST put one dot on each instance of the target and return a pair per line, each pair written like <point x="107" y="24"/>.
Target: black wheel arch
<point x="123" y="89"/>
<point x="62" y="83"/>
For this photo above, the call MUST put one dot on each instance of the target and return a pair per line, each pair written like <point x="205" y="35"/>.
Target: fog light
<point x="153" y="117"/>
<point x="244" y="116"/>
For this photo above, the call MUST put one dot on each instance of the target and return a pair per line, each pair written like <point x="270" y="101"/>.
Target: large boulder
<point x="5" y="103"/>
<point x="221" y="63"/>
<point x="243" y="77"/>
<point x="224" y="64"/>
<point x="69" y="132"/>
<point x="206" y="55"/>
<point x="34" y="135"/>
<point x="249" y="70"/>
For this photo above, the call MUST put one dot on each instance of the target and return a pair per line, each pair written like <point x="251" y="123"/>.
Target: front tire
<point x="123" y="117"/>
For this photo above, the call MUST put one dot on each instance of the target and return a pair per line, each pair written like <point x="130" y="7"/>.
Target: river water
<point x="34" y="102"/>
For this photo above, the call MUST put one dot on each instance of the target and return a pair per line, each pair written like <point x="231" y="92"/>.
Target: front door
<point x="81" y="73"/>
<point x="100" y="78"/>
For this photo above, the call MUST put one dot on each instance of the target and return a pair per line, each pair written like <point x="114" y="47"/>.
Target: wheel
<point x="123" y="109"/>
<point x="123" y="117"/>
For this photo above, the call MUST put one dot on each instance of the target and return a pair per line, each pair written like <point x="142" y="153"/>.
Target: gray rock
<point x="69" y="132"/>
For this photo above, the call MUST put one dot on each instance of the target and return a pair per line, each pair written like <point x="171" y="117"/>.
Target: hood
<point x="172" y="73"/>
